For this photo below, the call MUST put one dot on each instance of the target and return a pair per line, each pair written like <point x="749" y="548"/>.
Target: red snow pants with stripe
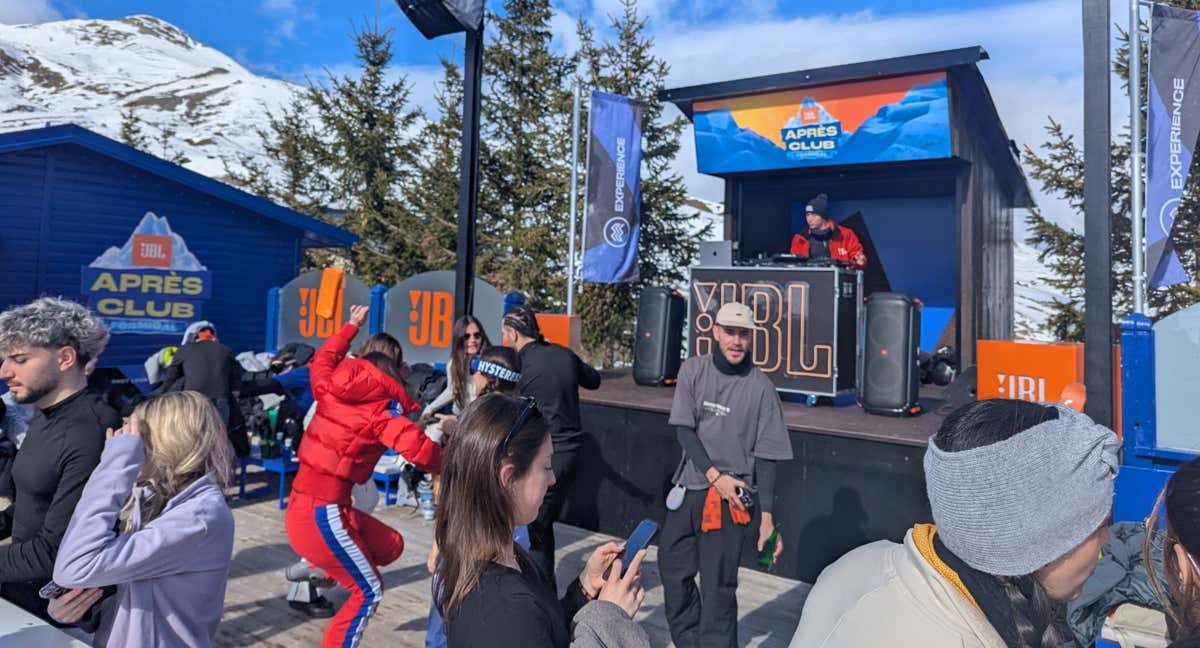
<point x="349" y="546"/>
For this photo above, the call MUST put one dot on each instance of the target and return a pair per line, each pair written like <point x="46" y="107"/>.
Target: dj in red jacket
<point x="349" y="432"/>
<point x="825" y="239"/>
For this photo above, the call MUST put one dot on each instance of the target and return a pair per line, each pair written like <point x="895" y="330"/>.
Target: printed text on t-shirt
<point x="716" y="409"/>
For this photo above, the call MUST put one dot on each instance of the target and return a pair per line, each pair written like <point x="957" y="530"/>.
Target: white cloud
<point x="279" y="6"/>
<point x="20" y="12"/>
<point x="1035" y="69"/>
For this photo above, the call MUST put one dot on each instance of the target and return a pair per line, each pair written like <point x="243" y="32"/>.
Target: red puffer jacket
<point x="352" y="426"/>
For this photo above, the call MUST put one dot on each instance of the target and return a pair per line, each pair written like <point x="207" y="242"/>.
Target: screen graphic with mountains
<point x="882" y="120"/>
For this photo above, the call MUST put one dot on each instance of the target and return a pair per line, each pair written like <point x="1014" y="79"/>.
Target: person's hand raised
<point x="358" y="315"/>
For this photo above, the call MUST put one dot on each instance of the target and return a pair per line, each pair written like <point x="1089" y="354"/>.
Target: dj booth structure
<point x="914" y="159"/>
<point x="808" y="322"/>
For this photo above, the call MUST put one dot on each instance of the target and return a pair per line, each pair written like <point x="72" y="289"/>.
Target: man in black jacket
<point x="44" y="347"/>
<point x="205" y="365"/>
<point x="552" y="375"/>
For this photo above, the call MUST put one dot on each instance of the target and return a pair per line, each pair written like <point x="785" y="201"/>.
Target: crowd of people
<point x="120" y="527"/>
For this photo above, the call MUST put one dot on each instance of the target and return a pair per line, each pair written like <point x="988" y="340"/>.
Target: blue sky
<point x="1035" y="71"/>
<point x="291" y="38"/>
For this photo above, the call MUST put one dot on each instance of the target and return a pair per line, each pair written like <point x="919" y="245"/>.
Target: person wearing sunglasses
<point x="496" y="371"/>
<point x="1180" y="542"/>
<point x="496" y="472"/>
<point x="1021" y="495"/>
<point x="469" y="341"/>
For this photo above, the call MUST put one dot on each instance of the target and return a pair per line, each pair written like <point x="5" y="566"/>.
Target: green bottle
<point x="766" y="557"/>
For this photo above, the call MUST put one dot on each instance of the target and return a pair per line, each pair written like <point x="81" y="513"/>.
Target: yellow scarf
<point x="922" y="535"/>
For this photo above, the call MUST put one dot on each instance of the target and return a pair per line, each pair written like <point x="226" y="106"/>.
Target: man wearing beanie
<point x="729" y="421"/>
<point x="1021" y="495"/>
<point x="825" y="239"/>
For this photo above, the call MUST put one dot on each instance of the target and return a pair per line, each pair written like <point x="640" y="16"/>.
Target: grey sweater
<point x="170" y="573"/>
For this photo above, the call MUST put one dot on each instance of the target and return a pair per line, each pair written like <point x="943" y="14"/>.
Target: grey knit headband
<point x="1010" y="508"/>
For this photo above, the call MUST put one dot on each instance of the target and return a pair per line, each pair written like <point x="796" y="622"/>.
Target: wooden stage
<point x="256" y="613"/>
<point x="855" y="478"/>
<point x="843" y="420"/>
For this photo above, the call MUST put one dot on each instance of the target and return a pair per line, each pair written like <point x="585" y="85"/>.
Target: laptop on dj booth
<point x="716" y="253"/>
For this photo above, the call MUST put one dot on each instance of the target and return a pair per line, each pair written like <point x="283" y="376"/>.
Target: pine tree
<point x="166" y="150"/>
<point x="525" y="164"/>
<point x="669" y="241"/>
<point x="131" y="130"/>
<point x="366" y="124"/>
<point x="434" y="197"/>
<point x="1059" y="168"/>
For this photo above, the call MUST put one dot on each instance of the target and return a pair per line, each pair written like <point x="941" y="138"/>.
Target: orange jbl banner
<point x="1029" y="371"/>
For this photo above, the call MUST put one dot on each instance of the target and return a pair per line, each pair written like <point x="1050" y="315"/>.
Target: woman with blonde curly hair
<point x="160" y="482"/>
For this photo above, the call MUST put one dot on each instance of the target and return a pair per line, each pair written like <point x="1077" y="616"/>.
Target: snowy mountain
<point x="150" y="225"/>
<point x="88" y="71"/>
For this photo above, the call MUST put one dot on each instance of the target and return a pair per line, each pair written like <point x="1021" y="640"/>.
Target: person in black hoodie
<point x="44" y="348"/>
<point x="552" y="375"/>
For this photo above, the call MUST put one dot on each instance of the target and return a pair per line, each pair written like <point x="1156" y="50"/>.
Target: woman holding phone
<point x="496" y="472"/>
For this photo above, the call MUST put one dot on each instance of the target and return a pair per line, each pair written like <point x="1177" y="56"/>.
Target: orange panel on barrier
<point x="562" y="330"/>
<point x="1031" y="371"/>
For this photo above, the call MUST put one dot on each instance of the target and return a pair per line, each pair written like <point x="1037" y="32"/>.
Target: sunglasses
<point x="528" y="411"/>
<point x="473" y="336"/>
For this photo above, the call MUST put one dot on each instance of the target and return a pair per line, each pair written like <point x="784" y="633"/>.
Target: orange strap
<point x="711" y="518"/>
<point x="329" y="292"/>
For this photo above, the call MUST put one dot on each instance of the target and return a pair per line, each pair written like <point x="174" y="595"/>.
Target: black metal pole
<point x="468" y="183"/>
<point x="1097" y="245"/>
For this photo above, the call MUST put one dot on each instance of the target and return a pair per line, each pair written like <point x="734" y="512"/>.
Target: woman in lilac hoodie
<point x="161" y="478"/>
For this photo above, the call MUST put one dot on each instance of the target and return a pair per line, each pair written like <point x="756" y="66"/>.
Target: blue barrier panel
<point x="272" y="341"/>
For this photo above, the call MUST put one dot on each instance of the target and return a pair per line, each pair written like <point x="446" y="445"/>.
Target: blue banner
<point x="1171" y="131"/>
<point x="614" y="194"/>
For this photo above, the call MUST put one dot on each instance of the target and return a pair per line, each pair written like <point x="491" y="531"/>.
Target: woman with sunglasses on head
<point x="1180" y="594"/>
<point x="153" y="521"/>
<point x="350" y="430"/>
<point x="469" y="341"/>
<point x="496" y="472"/>
<point x="1021" y="495"/>
<point x="495" y="370"/>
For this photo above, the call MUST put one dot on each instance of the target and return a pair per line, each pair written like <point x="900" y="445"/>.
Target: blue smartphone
<point x="638" y="540"/>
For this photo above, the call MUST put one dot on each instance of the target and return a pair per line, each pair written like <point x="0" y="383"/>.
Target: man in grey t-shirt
<point x="729" y="421"/>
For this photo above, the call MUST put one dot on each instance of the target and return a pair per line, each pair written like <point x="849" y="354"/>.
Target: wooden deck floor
<point x="256" y="613"/>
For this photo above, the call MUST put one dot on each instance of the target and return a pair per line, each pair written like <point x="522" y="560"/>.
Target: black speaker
<point x="890" y="379"/>
<point x="435" y="18"/>
<point x="658" y="348"/>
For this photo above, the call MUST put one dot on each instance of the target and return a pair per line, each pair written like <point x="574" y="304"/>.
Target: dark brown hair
<point x="1181" y="602"/>
<point x="1038" y="619"/>
<point x="475" y="523"/>
<point x="382" y="343"/>
<point x="460" y="362"/>
<point x="386" y="364"/>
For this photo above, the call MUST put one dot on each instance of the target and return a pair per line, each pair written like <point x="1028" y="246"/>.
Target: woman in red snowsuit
<point x="351" y="429"/>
